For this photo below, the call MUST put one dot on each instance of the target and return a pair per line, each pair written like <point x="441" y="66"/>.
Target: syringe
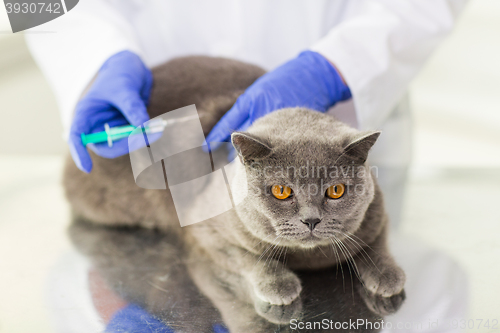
<point x="111" y="134"/>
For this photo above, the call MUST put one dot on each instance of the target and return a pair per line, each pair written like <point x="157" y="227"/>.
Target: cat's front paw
<point x="278" y="289"/>
<point x="279" y="314"/>
<point x="383" y="290"/>
<point x="386" y="283"/>
<point x="383" y="306"/>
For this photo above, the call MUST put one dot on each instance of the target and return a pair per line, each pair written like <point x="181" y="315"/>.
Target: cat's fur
<point x="246" y="261"/>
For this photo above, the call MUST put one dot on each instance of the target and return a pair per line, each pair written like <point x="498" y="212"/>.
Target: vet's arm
<point x="309" y="80"/>
<point x="382" y="45"/>
<point x="94" y="41"/>
<point x="78" y="45"/>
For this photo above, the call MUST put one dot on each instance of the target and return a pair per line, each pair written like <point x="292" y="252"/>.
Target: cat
<point x="257" y="263"/>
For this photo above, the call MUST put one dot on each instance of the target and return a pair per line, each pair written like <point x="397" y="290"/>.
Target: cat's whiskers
<point x="339" y="243"/>
<point x="363" y="252"/>
<point x="359" y="250"/>
<point x="321" y="250"/>
<point x="267" y="249"/>
<point x="357" y="247"/>
<point x="279" y="257"/>
<point x="339" y="262"/>
<point x="271" y="255"/>
<point x="364" y="243"/>
<point x="253" y="247"/>
<point x="284" y="256"/>
<point x="353" y="262"/>
<point x="277" y="248"/>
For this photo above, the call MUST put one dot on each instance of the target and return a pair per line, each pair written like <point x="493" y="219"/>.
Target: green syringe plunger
<point x="111" y="134"/>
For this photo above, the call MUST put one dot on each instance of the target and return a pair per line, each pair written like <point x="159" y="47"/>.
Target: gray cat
<point x="309" y="206"/>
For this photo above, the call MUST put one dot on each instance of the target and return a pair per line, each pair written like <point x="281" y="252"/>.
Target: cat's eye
<point x="281" y="192"/>
<point x="335" y="191"/>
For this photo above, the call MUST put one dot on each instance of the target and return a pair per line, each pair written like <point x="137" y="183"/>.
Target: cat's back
<point x="213" y="84"/>
<point x="109" y="195"/>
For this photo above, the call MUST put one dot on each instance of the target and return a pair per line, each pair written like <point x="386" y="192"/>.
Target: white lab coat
<point x="378" y="46"/>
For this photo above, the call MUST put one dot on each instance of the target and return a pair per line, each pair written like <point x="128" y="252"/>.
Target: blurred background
<point x="451" y="203"/>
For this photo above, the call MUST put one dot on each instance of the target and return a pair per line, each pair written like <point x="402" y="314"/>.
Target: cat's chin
<point x="311" y="241"/>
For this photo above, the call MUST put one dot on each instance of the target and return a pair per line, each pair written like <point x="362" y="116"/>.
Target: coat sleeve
<point x="381" y="46"/>
<point x="71" y="49"/>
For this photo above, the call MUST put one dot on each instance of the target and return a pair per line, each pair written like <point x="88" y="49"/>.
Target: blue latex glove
<point x="118" y="97"/>
<point x="134" y="319"/>
<point x="308" y="81"/>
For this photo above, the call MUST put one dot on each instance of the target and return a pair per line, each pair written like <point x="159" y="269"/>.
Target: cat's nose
<point x="311" y="223"/>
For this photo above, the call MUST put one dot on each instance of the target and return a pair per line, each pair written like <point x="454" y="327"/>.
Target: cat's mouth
<point x="308" y="238"/>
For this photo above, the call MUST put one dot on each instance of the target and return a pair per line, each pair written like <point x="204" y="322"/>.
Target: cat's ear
<point x="249" y="148"/>
<point x="358" y="149"/>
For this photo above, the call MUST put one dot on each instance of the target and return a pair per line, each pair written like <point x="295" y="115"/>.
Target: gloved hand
<point x="133" y="318"/>
<point x="309" y="81"/>
<point x="118" y="97"/>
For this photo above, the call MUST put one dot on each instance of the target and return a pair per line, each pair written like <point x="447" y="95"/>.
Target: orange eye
<point x="281" y="192"/>
<point x="335" y="191"/>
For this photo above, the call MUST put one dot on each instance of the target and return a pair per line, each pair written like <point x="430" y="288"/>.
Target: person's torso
<point x="262" y="32"/>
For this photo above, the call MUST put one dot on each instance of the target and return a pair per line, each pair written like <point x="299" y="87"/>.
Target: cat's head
<point x="303" y="178"/>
